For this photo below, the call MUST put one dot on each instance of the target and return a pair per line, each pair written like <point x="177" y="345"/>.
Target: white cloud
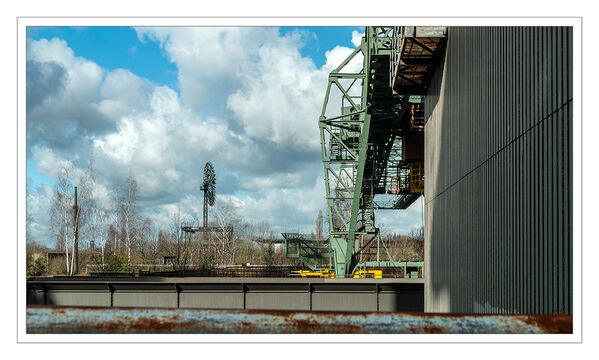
<point x="210" y="60"/>
<point x="84" y="77"/>
<point x="337" y="55"/>
<point x="356" y="38"/>
<point x="48" y="162"/>
<point x="79" y="99"/>
<point x="126" y="91"/>
<point x="249" y="102"/>
<point x="274" y="93"/>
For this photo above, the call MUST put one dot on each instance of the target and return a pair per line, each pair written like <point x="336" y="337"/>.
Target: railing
<point x="416" y="116"/>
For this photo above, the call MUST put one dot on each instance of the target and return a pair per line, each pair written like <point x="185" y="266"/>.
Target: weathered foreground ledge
<point x="76" y="320"/>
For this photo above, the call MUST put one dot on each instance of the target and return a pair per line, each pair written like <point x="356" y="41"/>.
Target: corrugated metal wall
<point x="498" y="172"/>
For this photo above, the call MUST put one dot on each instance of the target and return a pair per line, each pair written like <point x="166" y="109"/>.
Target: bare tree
<point x="84" y="211"/>
<point x="417" y="234"/>
<point x="60" y="211"/>
<point x="325" y="224"/>
<point x="111" y="237"/>
<point x="227" y="240"/>
<point x="261" y="230"/>
<point x="98" y="230"/>
<point x="182" y="244"/>
<point x="176" y="236"/>
<point x="319" y="223"/>
<point x="126" y="203"/>
<point x="75" y="251"/>
<point x="261" y="234"/>
<point x="406" y="247"/>
<point x="116" y="219"/>
<point x="162" y="241"/>
<point x="147" y="244"/>
<point x="28" y="217"/>
<point x="59" y="238"/>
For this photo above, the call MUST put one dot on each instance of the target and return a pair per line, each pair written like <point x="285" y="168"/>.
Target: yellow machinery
<point x="359" y="274"/>
<point x="325" y="273"/>
<point x="416" y="177"/>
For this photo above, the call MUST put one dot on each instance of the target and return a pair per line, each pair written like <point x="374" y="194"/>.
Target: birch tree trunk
<point x="75" y="244"/>
<point x="128" y="238"/>
<point x="66" y="245"/>
<point x="129" y="211"/>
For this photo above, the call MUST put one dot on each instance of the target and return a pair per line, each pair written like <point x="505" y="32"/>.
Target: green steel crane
<point x="362" y="129"/>
<point x="358" y="136"/>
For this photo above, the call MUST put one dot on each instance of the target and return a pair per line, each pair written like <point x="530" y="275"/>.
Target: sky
<point x="159" y="103"/>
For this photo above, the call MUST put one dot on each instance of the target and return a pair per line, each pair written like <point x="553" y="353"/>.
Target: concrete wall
<point x="498" y="172"/>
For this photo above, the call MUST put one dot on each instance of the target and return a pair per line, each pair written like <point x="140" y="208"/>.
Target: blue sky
<point x="119" y="47"/>
<point x="161" y="102"/>
<point x="324" y="38"/>
<point x="112" y="48"/>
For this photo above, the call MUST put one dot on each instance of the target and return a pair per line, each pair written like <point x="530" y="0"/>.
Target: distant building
<point x="168" y="260"/>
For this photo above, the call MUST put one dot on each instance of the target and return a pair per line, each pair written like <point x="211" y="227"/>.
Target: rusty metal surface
<point x="69" y="320"/>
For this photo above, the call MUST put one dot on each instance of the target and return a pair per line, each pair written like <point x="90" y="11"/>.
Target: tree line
<point x="119" y="237"/>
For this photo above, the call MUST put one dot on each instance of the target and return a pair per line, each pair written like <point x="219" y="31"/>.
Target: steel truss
<point x="361" y="152"/>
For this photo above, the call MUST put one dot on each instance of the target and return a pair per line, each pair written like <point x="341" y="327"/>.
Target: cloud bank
<point x="248" y="101"/>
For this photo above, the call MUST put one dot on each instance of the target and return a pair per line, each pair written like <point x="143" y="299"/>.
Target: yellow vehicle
<point x="360" y="274"/>
<point x="326" y="273"/>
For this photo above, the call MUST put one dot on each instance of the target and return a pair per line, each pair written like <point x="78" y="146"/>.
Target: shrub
<point x="117" y="263"/>
<point x="40" y="267"/>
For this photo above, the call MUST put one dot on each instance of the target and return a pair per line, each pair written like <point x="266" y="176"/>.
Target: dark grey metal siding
<point x="498" y="172"/>
<point x="295" y="294"/>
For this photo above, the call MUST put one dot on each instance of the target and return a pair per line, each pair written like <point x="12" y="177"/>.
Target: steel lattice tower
<point x="361" y="133"/>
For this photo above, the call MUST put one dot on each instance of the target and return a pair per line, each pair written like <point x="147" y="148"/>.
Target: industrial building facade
<point x="498" y="172"/>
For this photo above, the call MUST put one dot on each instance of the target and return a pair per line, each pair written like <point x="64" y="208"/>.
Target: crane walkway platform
<point x="415" y="54"/>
